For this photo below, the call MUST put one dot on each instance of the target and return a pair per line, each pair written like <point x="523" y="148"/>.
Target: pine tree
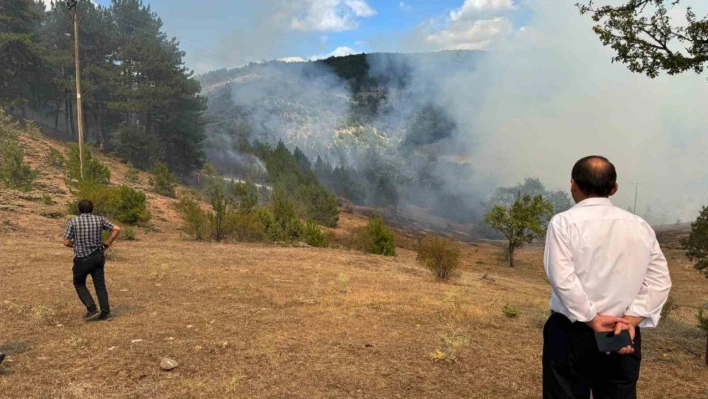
<point x="20" y="50"/>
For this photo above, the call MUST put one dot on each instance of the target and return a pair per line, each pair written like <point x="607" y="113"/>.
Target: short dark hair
<point x="595" y="176"/>
<point x="85" y="206"/>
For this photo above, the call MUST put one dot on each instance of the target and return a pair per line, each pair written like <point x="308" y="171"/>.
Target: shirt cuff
<point x="591" y="313"/>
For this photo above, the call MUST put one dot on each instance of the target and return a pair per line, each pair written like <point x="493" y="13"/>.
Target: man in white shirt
<point x="607" y="273"/>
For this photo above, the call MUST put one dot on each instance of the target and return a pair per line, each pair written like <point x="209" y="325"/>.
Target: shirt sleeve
<point x="69" y="233"/>
<point x="558" y="261"/>
<point x="655" y="289"/>
<point x="106" y="225"/>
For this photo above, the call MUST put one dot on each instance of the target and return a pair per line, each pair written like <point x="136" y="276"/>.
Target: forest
<point x="139" y="99"/>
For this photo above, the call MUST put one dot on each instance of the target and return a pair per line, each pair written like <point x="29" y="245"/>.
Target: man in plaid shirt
<point x="84" y="235"/>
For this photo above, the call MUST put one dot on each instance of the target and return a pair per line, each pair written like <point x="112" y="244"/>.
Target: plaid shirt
<point x="85" y="232"/>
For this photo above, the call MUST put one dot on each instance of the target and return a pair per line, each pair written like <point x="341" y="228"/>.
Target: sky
<point x="546" y="94"/>
<point x="230" y="33"/>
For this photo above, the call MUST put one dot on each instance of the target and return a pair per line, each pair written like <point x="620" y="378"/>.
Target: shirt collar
<point x="594" y="202"/>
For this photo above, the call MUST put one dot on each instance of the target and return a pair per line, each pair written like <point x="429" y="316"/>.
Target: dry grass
<point x="254" y="321"/>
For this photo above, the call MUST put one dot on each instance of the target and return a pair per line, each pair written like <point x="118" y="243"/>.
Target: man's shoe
<point x="105" y="316"/>
<point x="92" y="315"/>
<point x="2" y="357"/>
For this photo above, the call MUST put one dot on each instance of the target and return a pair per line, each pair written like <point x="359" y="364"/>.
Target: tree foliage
<point x="292" y="173"/>
<point x="522" y="222"/>
<point x="14" y="172"/>
<point x="138" y="97"/>
<point x="20" y="50"/>
<point x="646" y="39"/>
<point x="94" y="170"/>
<point x="697" y="242"/>
<point x="532" y="186"/>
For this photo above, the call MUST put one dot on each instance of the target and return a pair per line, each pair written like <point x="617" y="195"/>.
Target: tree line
<point x="139" y="99"/>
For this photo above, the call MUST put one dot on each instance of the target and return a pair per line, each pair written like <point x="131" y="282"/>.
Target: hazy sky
<point x="229" y="33"/>
<point x="547" y="95"/>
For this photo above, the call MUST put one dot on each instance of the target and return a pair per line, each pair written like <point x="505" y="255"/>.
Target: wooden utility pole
<point x="636" y="191"/>
<point x="72" y="4"/>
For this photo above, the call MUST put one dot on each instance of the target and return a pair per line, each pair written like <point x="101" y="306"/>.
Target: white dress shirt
<point x="601" y="259"/>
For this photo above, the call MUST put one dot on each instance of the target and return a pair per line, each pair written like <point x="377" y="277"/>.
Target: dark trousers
<point x="573" y="367"/>
<point x="91" y="265"/>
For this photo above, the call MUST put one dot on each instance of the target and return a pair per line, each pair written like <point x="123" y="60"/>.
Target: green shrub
<point x="163" y="181"/>
<point x="377" y="238"/>
<point x="439" y="255"/>
<point x="128" y="233"/>
<point x="94" y="170"/>
<point x="222" y="206"/>
<point x="313" y="235"/>
<point x="696" y="244"/>
<point x="246" y="195"/>
<point x="195" y="219"/>
<point x="14" y="173"/>
<point x="55" y="158"/>
<point x="511" y="311"/>
<point x="287" y="227"/>
<point x="702" y="319"/>
<point x="247" y="227"/>
<point x="47" y="199"/>
<point x="267" y="219"/>
<point x="320" y="205"/>
<point x="132" y="175"/>
<point x="9" y="130"/>
<point x="122" y="204"/>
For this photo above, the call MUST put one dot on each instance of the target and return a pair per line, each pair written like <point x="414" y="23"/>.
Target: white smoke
<point x="537" y="101"/>
<point x="550" y="95"/>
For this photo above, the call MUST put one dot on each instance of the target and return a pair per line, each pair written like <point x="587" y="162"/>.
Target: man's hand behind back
<point x="603" y="323"/>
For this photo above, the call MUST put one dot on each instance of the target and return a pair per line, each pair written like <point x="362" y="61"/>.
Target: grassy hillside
<point x="256" y="321"/>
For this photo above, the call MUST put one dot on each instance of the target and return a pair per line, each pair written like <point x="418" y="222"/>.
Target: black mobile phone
<point x="609" y="342"/>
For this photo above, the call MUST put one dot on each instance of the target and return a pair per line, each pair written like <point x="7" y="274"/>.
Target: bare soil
<point x="260" y="321"/>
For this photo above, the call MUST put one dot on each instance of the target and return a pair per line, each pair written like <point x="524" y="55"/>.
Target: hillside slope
<point x="257" y="321"/>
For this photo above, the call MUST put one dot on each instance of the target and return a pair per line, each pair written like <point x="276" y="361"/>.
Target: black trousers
<point x="573" y="367"/>
<point x="91" y="265"/>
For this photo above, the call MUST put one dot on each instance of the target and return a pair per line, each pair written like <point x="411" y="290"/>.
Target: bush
<point x="122" y="203"/>
<point x="320" y="205"/>
<point x="218" y="218"/>
<point x="47" y="199"/>
<point x="312" y="234"/>
<point x="163" y="181"/>
<point x="377" y="238"/>
<point x="247" y="196"/>
<point x="511" y="312"/>
<point x="14" y="173"/>
<point x="287" y="227"/>
<point x="696" y="243"/>
<point x="440" y="256"/>
<point x="55" y="158"/>
<point x="267" y="219"/>
<point x="702" y="319"/>
<point x="247" y="227"/>
<point x="129" y="233"/>
<point x="132" y="175"/>
<point x="195" y="219"/>
<point x="94" y="171"/>
<point x="9" y="130"/>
